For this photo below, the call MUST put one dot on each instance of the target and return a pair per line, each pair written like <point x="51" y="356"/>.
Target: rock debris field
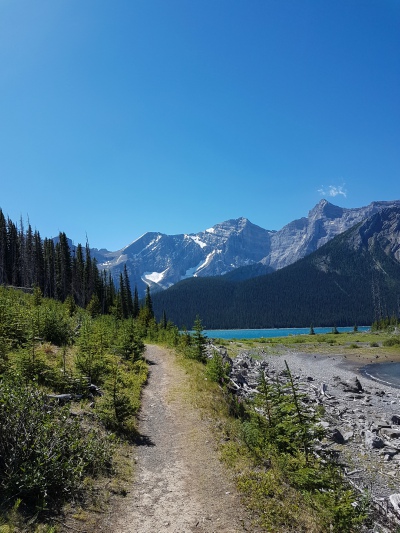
<point x="362" y="417"/>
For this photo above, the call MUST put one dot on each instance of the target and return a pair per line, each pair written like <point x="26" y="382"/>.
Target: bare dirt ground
<point x="180" y="486"/>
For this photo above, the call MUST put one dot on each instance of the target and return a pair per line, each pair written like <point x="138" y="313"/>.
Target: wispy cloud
<point x="333" y="190"/>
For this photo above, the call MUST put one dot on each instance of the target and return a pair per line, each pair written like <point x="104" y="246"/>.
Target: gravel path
<point x="180" y="485"/>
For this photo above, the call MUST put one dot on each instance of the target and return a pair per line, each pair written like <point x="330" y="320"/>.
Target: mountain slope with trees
<point x="353" y="279"/>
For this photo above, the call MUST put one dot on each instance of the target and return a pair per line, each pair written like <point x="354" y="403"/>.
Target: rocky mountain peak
<point x="327" y="210"/>
<point x="159" y="261"/>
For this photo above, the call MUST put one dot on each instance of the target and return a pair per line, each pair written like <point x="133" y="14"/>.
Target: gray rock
<point x="337" y="436"/>
<point x="390" y="433"/>
<point x="373" y="441"/>
<point x="352" y="385"/>
<point x="395" y="501"/>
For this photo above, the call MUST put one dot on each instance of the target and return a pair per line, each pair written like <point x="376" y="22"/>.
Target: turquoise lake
<point x="388" y="373"/>
<point x="269" y="333"/>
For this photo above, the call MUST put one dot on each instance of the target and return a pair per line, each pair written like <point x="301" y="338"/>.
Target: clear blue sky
<point x="119" y="117"/>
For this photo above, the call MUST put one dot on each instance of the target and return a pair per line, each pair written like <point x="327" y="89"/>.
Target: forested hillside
<point x="353" y="279"/>
<point x="61" y="271"/>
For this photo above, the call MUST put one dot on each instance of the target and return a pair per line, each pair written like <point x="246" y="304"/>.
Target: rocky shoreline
<point x="362" y="418"/>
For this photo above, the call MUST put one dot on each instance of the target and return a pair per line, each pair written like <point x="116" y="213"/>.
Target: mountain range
<point x="236" y="248"/>
<point x="352" y="279"/>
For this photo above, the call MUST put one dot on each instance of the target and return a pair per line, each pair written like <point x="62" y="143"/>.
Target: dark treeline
<point x="61" y="271"/>
<point x="336" y="285"/>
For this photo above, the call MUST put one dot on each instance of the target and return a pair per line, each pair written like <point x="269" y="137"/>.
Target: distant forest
<point x="61" y="272"/>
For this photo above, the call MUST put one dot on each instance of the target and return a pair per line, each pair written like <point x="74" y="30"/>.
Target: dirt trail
<point x="180" y="485"/>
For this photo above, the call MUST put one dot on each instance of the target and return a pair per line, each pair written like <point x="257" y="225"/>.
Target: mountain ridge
<point x="353" y="279"/>
<point x="159" y="261"/>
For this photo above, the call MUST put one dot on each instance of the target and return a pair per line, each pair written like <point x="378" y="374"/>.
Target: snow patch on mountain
<point x="155" y="277"/>
<point x="192" y="272"/>
<point x="197" y="240"/>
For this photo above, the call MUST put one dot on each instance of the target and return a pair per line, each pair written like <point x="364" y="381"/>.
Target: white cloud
<point x="333" y="190"/>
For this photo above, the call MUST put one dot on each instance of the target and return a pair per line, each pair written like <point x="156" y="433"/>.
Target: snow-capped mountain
<point x="160" y="260"/>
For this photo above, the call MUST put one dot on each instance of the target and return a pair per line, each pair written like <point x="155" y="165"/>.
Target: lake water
<point x="387" y="373"/>
<point x="270" y="333"/>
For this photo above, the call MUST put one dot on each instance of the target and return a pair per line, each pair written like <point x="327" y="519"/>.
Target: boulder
<point x="337" y="436"/>
<point x="395" y="501"/>
<point x="352" y="385"/>
<point x="390" y="433"/>
<point x="396" y="419"/>
<point x="373" y="441"/>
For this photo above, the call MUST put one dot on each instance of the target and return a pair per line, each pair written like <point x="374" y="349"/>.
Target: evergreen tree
<point x="199" y="340"/>
<point x="148" y="304"/>
<point x="109" y="298"/>
<point x="63" y="267"/>
<point x="78" y="288"/>
<point x="136" y="307"/>
<point x="88" y="276"/>
<point x="13" y="255"/>
<point x="164" y="321"/>
<point x="94" y="306"/>
<point x="128" y="293"/>
<point x="3" y="249"/>
<point x="38" y="261"/>
<point x="122" y="300"/>
<point x="49" y="289"/>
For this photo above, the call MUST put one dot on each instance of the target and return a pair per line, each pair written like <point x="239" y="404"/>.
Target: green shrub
<point x="44" y="453"/>
<point x="216" y="369"/>
<point x="299" y="340"/>
<point x="121" y="401"/>
<point x="393" y="341"/>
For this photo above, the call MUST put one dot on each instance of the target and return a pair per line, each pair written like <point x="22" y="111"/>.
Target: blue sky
<point x="126" y="116"/>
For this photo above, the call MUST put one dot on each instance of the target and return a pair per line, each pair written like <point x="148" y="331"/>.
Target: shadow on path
<point x="143" y="440"/>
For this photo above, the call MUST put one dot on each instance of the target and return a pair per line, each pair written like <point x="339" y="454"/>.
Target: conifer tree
<point x="49" y="289"/>
<point x="89" y="282"/>
<point x="128" y="293"/>
<point x="79" y="277"/>
<point x="3" y="249"/>
<point x="13" y="255"/>
<point x="148" y="304"/>
<point x="109" y="292"/>
<point x="63" y="267"/>
<point x="199" y="340"/>
<point x="136" y="307"/>
<point x="122" y="300"/>
<point x="38" y="261"/>
<point x="164" y="320"/>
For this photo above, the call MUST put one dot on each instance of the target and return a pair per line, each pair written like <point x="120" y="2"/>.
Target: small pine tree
<point x="37" y="296"/>
<point x="199" y="340"/>
<point x="94" y="306"/>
